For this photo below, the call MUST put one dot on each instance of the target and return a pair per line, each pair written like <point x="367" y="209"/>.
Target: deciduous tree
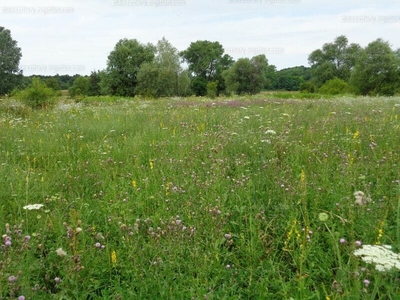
<point x="10" y="55"/>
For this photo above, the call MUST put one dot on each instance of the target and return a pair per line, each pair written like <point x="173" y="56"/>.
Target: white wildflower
<point x="361" y="199"/>
<point x="33" y="206"/>
<point x="61" y="252"/>
<point x="270" y="131"/>
<point x="246" y="117"/>
<point x="383" y="258"/>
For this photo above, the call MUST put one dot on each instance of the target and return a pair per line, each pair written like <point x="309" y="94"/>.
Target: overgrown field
<point x="245" y="198"/>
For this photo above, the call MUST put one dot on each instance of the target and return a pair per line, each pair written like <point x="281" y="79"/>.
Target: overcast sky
<point x="76" y="36"/>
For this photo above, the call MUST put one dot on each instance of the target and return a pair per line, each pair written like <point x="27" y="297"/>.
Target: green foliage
<point x="163" y="76"/>
<point x="206" y="61"/>
<point x="334" y="60"/>
<point x="246" y="76"/>
<point x="308" y="87"/>
<point x="94" y="84"/>
<point x="38" y="95"/>
<point x="290" y="79"/>
<point x="377" y="70"/>
<point x="80" y="87"/>
<point x="212" y="89"/>
<point x="335" y="86"/>
<point x="120" y="77"/>
<point x="52" y="83"/>
<point x="10" y="56"/>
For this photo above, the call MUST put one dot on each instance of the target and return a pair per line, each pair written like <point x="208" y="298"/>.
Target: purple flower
<point x="57" y="279"/>
<point x="228" y="236"/>
<point x="7" y="243"/>
<point x="342" y="241"/>
<point x="366" y="282"/>
<point x="12" y="279"/>
<point x="358" y="243"/>
<point x="21" y="298"/>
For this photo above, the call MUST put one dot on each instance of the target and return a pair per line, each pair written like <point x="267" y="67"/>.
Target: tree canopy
<point x="10" y="55"/>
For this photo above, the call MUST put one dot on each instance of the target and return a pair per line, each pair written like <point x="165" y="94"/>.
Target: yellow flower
<point x="151" y="164"/>
<point x="134" y="183"/>
<point x="114" y="257"/>
<point x="356" y="134"/>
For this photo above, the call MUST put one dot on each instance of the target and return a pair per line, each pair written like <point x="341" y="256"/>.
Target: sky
<point x="76" y="36"/>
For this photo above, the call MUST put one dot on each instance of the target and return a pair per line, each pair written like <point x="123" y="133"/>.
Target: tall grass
<point x="198" y="199"/>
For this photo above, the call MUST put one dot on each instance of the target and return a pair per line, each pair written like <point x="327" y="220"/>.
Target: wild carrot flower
<point x="33" y="206"/>
<point x="382" y="256"/>
<point x="61" y="252"/>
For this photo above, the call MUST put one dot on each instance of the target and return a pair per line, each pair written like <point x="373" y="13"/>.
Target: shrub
<point x="212" y="88"/>
<point x="335" y="86"/>
<point x="308" y="87"/>
<point x="38" y="95"/>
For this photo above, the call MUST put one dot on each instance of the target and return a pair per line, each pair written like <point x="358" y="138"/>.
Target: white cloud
<point x="82" y="38"/>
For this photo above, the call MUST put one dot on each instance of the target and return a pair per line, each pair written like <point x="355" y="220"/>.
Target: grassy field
<point x="233" y="198"/>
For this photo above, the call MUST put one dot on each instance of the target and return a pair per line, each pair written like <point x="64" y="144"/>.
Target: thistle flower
<point x="342" y="241"/>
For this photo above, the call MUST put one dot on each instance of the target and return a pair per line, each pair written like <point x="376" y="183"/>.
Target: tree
<point x="206" y="61"/>
<point x="247" y="76"/>
<point x="94" y="84"/>
<point x="80" y="87"/>
<point x="163" y="76"/>
<point x="123" y="65"/>
<point x="290" y="79"/>
<point x="52" y="83"/>
<point x="10" y="56"/>
<point x="335" y="59"/>
<point x="377" y="70"/>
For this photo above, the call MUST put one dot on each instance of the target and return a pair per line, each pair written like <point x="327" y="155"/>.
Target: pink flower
<point x="342" y="241"/>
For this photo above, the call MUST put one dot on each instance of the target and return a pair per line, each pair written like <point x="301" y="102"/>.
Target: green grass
<point x="198" y="198"/>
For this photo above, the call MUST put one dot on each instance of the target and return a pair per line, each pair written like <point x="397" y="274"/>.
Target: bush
<point x="212" y="88"/>
<point x="38" y="95"/>
<point x="308" y="87"/>
<point x="80" y="87"/>
<point x="335" y="86"/>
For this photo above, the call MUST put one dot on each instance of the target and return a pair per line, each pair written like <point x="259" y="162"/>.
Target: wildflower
<point x="151" y="164"/>
<point x="114" y="257"/>
<point x="134" y="183"/>
<point x="61" y="252"/>
<point x="97" y="245"/>
<point x="356" y="134"/>
<point x="366" y="282"/>
<point x="21" y="297"/>
<point x="358" y="243"/>
<point x="12" y="279"/>
<point x="57" y="280"/>
<point x="382" y="256"/>
<point x="361" y="199"/>
<point x="323" y="217"/>
<point x="33" y="206"/>
<point x="342" y="241"/>
<point x="246" y="117"/>
<point x="270" y="131"/>
<point x="228" y="267"/>
<point x="228" y="236"/>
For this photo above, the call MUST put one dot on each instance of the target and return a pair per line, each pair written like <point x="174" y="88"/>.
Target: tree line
<point x="160" y="70"/>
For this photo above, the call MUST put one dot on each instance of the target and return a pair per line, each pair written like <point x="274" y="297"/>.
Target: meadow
<point x="231" y="198"/>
